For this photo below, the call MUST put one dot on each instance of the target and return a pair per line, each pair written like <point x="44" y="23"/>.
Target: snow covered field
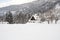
<point x="3" y="22"/>
<point x="58" y="22"/>
<point x="30" y="32"/>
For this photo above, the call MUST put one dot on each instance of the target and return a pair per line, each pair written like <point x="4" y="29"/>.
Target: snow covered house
<point x="34" y="19"/>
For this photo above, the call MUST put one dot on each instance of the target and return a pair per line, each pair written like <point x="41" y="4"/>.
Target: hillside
<point x="32" y="7"/>
<point x="22" y="13"/>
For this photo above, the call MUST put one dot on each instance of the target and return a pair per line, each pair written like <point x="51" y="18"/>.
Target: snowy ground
<point x="36" y="22"/>
<point x="58" y="22"/>
<point x="3" y="22"/>
<point x="29" y="32"/>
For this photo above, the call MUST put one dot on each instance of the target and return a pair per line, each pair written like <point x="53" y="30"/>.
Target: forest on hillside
<point x="33" y="11"/>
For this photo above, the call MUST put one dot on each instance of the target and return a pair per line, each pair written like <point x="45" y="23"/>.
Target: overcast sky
<point x="4" y="3"/>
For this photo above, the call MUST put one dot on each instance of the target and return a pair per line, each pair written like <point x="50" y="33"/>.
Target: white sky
<point x="13" y="2"/>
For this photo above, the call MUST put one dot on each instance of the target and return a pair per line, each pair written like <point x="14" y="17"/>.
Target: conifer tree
<point x="9" y="17"/>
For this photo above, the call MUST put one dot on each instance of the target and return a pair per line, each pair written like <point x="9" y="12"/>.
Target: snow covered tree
<point x="9" y="17"/>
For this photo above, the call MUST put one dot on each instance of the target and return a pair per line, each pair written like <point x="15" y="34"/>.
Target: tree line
<point x="18" y="18"/>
